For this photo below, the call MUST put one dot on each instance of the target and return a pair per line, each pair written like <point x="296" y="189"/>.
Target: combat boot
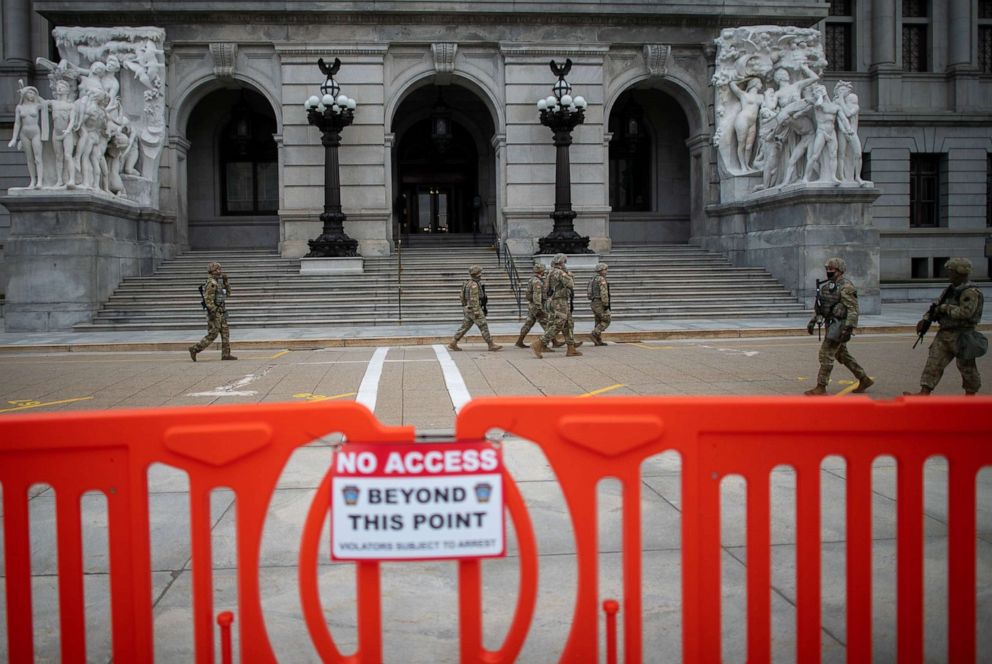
<point x="228" y="357"/>
<point x="453" y="345"/>
<point x="597" y="340"/>
<point x="571" y="352"/>
<point x="924" y="392"/>
<point x="557" y="344"/>
<point x="817" y="391"/>
<point x="863" y="384"/>
<point x="192" y="353"/>
<point x="493" y="346"/>
<point x="520" y="342"/>
<point x="538" y="347"/>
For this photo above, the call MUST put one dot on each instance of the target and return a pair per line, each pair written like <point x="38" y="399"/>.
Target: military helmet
<point x="559" y="259"/>
<point x="836" y="263"/>
<point x="475" y="270"/>
<point x="601" y="266"/>
<point x="213" y="266"/>
<point x="538" y="266"/>
<point x="958" y="265"/>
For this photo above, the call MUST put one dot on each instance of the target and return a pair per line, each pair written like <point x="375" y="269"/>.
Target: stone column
<point x="16" y="53"/>
<point x="961" y="65"/>
<point x="885" y="73"/>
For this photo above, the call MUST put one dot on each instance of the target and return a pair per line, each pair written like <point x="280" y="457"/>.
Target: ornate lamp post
<point x="561" y="112"/>
<point x="331" y="113"/>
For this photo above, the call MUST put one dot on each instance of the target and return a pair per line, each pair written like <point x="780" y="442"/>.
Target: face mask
<point x="831" y="274"/>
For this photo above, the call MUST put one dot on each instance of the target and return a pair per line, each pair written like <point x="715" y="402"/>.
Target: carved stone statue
<point x="768" y="92"/>
<point x="30" y="130"/>
<point x="102" y="125"/>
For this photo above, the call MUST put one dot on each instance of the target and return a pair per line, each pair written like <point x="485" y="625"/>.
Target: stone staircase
<point x="421" y="287"/>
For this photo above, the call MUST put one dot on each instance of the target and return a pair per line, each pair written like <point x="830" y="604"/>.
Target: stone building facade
<point x="240" y="167"/>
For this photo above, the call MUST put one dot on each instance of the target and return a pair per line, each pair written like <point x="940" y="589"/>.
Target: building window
<point x="249" y="163"/>
<point x="924" y="190"/>
<point x="988" y="191"/>
<point x="915" y="29"/>
<point x="985" y="36"/>
<point x="838" y="36"/>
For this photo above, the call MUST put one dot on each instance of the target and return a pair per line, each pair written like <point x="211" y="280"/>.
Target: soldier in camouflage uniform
<point x="215" y="292"/>
<point x="958" y="311"/>
<point x="536" y="311"/>
<point x="599" y="295"/>
<point x="837" y="307"/>
<point x="474" y="301"/>
<point x="561" y="289"/>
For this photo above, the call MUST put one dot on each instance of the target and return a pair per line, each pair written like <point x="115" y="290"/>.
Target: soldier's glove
<point x="845" y="334"/>
<point x="942" y="309"/>
<point x="607" y="307"/>
<point x="485" y="311"/>
<point x="919" y="327"/>
<point x="809" y="326"/>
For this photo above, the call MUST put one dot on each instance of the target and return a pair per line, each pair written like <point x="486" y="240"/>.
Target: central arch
<point x="444" y="166"/>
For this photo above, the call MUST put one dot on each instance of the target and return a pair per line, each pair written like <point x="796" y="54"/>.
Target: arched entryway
<point x="650" y="194"/>
<point x="444" y="167"/>
<point x="232" y="172"/>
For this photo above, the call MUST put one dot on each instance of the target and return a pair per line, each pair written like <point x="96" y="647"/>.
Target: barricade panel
<point x="244" y="448"/>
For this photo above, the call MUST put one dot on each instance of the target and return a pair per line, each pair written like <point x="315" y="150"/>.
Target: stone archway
<point x="443" y="187"/>
<point x="650" y="188"/>
<point x="232" y="172"/>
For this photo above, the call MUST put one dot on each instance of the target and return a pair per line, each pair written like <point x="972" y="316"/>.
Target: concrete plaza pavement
<point x="420" y="610"/>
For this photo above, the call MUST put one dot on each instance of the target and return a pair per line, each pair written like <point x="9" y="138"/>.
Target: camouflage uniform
<point x="839" y="311"/>
<point x="599" y="294"/>
<point x="961" y="311"/>
<point x="536" y="311"/>
<point x="215" y="292"/>
<point x="474" y="299"/>
<point x="561" y="287"/>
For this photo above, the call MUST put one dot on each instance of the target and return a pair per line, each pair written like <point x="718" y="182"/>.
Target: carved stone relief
<point x="102" y="127"/>
<point x="774" y="119"/>
<point x="225" y="57"/>
<point x="656" y="58"/>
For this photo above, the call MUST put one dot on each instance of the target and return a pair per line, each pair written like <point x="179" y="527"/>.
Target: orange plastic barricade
<point x="245" y="448"/>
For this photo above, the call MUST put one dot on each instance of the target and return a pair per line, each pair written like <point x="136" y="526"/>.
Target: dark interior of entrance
<point x="438" y="182"/>
<point x="443" y="180"/>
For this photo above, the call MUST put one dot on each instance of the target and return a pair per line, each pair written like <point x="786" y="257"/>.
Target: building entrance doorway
<point x="444" y="168"/>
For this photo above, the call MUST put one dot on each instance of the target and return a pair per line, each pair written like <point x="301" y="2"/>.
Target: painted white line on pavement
<point x="452" y="378"/>
<point x="233" y="389"/>
<point x="369" y="389"/>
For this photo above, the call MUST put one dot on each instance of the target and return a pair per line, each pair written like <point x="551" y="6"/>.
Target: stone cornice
<point x="81" y="202"/>
<point x="687" y="14"/>
<point x="289" y="50"/>
<point x="793" y="194"/>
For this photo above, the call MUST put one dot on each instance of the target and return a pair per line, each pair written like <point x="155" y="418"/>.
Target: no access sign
<point x="417" y="501"/>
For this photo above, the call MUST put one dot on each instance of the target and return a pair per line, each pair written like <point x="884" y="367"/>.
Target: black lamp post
<point x="331" y="113"/>
<point x="562" y="114"/>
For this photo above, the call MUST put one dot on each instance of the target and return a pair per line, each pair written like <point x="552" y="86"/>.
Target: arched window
<point x="249" y="163"/>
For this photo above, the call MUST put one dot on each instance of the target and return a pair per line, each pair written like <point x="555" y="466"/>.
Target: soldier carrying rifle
<point x="958" y="311"/>
<point x="837" y="308"/>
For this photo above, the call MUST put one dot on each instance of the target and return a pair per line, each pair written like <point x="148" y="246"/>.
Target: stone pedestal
<point x="575" y="261"/>
<point x="66" y="254"/>
<point x="344" y="265"/>
<point x="792" y="232"/>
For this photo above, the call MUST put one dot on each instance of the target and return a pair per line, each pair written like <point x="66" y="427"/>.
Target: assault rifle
<point x="817" y="307"/>
<point x="483" y="299"/>
<point x="931" y="313"/>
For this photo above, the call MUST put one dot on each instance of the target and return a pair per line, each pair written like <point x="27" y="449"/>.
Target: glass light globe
<point x="542" y="104"/>
<point x="551" y="101"/>
<point x="327" y="100"/>
<point x="580" y="102"/>
<point x="566" y="100"/>
<point x="313" y="101"/>
<point x="336" y="108"/>
<point x="342" y="100"/>
<point x="320" y="108"/>
<point x="352" y="104"/>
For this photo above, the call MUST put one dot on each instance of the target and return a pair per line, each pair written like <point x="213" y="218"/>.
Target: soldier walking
<point x="215" y="292"/>
<point x="599" y="295"/>
<point x="536" y="311"/>
<point x="561" y="289"/>
<point x="474" y="301"/>
<point x="837" y="308"/>
<point x="958" y="312"/>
